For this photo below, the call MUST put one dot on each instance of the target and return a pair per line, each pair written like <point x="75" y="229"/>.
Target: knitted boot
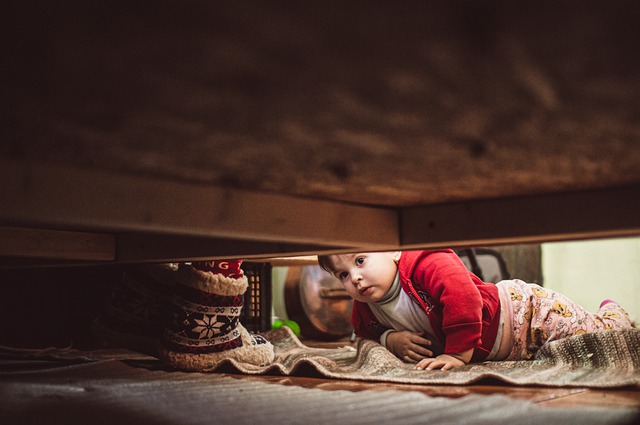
<point x="136" y="312"/>
<point x="205" y="326"/>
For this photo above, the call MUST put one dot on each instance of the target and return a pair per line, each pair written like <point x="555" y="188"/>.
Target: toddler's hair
<point x="324" y="261"/>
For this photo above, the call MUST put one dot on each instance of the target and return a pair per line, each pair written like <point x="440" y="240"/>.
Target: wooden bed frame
<point x="183" y="131"/>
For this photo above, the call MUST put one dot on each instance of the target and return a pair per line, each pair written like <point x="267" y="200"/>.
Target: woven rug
<point x="606" y="359"/>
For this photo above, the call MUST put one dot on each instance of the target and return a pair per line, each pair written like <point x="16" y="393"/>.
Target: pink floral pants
<point x="540" y="315"/>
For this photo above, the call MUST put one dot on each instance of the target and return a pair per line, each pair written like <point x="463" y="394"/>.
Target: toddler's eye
<point x="343" y="275"/>
<point x="359" y="261"/>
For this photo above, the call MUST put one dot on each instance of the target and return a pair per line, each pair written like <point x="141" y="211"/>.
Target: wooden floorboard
<point x="544" y="396"/>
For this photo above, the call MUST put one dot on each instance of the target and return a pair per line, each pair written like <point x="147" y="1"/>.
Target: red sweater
<point x="463" y="310"/>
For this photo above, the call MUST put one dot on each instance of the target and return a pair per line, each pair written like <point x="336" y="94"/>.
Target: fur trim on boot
<point x="205" y="325"/>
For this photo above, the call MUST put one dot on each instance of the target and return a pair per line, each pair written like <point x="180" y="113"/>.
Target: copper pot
<point x="318" y="303"/>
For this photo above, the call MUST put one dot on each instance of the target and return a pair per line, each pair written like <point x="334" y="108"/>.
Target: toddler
<point x="428" y="309"/>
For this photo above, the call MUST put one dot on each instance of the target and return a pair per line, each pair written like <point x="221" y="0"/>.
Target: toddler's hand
<point x="409" y="346"/>
<point x="443" y="361"/>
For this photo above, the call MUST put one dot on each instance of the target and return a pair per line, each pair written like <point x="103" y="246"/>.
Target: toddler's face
<point x="366" y="276"/>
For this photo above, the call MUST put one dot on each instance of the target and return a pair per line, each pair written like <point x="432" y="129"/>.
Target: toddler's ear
<point x="396" y="256"/>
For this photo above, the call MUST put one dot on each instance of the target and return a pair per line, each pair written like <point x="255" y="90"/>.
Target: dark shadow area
<point x="53" y="307"/>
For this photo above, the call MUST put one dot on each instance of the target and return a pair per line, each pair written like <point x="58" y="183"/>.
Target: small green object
<point x="288" y="323"/>
<point x="293" y="326"/>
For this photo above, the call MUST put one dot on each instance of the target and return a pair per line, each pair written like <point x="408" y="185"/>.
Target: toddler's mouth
<point x="365" y="291"/>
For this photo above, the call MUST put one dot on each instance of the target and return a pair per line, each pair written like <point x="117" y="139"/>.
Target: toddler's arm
<point x="446" y="361"/>
<point x="408" y="346"/>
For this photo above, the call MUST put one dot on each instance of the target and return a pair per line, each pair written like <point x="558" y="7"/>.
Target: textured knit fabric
<point x="205" y="323"/>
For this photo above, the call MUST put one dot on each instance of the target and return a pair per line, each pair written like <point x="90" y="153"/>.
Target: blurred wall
<point x="591" y="271"/>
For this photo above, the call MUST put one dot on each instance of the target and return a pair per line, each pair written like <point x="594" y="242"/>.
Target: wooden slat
<point x="591" y="214"/>
<point x="304" y="260"/>
<point x="56" y="244"/>
<point x="40" y="195"/>
<point x="133" y="247"/>
<point x="159" y="220"/>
